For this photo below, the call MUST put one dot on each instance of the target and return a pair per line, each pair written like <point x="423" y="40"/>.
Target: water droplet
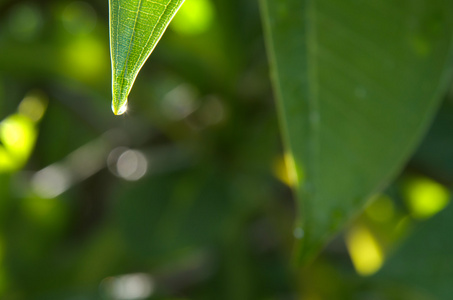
<point x="314" y="117"/>
<point x="298" y="233"/>
<point x="360" y="92"/>
<point x="121" y="110"/>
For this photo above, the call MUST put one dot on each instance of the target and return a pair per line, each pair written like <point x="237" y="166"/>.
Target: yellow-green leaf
<point x="136" y="26"/>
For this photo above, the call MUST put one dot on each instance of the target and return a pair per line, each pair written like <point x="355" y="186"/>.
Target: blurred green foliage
<point x="184" y="197"/>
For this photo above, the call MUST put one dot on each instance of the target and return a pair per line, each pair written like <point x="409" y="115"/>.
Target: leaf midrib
<point x="131" y="41"/>
<point x="314" y="117"/>
<point x="152" y="32"/>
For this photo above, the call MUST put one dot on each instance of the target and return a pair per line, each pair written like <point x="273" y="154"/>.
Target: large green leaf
<point x="136" y="26"/>
<point x="356" y="82"/>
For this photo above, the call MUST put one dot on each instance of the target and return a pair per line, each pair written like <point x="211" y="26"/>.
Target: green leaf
<point x="357" y="83"/>
<point x="136" y="26"/>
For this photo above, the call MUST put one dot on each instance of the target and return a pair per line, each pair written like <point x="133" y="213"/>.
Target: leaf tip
<point x="119" y="108"/>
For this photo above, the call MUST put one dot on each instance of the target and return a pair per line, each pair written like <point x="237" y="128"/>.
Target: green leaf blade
<point x="136" y="27"/>
<point x="356" y="83"/>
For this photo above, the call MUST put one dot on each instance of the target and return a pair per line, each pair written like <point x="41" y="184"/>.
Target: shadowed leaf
<point x="356" y="83"/>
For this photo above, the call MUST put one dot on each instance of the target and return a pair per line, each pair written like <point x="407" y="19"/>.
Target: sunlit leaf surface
<point x="357" y="83"/>
<point x="135" y="28"/>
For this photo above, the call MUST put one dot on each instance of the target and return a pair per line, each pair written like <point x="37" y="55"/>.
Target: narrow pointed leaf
<point x="136" y="26"/>
<point x="357" y="83"/>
